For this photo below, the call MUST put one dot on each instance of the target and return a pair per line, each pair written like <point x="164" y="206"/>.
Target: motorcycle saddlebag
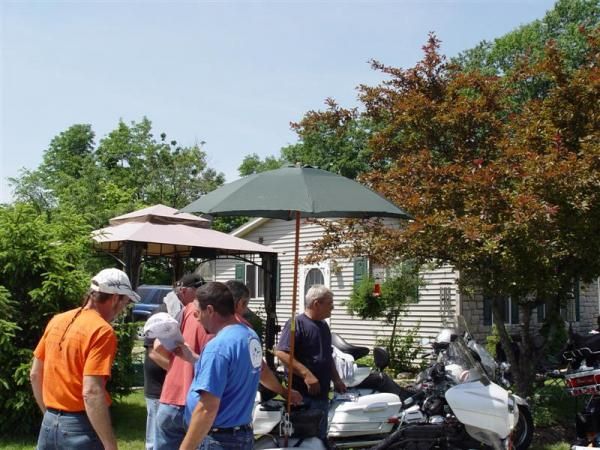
<point x="306" y="422"/>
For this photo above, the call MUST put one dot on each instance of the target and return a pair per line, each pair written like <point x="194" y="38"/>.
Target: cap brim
<point x="133" y="296"/>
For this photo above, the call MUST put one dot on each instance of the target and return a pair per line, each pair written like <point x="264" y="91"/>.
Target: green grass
<point x="129" y="422"/>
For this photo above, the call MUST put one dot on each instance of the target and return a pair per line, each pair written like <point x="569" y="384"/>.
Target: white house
<point x="438" y="299"/>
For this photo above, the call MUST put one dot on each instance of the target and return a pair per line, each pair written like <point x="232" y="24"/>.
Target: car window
<point x="152" y="295"/>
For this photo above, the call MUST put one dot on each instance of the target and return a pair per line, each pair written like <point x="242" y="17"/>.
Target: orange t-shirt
<point x="181" y="373"/>
<point x="88" y="348"/>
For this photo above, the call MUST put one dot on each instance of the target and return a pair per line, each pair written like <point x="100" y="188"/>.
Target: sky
<point x="232" y="74"/>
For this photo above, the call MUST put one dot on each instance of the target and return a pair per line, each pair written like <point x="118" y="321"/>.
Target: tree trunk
<point x="523" y="368"/>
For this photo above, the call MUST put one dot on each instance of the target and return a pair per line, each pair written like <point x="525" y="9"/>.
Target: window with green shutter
<point x="360" y="269"/>
<point x="240" y="272"/>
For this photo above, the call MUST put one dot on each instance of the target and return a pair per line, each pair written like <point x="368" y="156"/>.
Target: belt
<point x="60" y="412"/>
<point x="231" y="430"/>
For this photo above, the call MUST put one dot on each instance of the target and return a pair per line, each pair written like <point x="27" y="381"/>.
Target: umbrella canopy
<point x="291" y="193"/>
<point x="280" y="193"/>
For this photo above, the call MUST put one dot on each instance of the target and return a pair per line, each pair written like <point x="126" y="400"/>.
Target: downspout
<point x="459" y="297"/>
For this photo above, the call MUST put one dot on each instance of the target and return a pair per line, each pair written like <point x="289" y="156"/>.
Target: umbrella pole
<point x="293" y="321"/>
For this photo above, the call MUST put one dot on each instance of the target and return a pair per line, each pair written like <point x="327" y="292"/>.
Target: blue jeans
<point x="170" y="427"/>
<point x="151" y="410"/>
<point x="238" y="440"/>
<point x="321" y="404"/>
<point x="68" y="431"/>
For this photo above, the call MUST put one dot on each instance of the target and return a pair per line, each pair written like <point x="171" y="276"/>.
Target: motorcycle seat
<point x="272" y="405"/>
<point x="346" y="347"/>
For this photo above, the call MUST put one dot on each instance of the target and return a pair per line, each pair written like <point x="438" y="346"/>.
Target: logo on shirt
<point x="255" y="353"/>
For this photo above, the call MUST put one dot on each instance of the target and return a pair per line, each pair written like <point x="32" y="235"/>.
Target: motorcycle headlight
<point x="512" y="404"/>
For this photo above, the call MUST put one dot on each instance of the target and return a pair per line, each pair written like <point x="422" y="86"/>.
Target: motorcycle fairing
<point x="487" y="407"/>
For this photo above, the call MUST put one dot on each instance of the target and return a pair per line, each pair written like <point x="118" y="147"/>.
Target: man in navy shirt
<point x="314" y="367"/>
<point x="220" y="400"/>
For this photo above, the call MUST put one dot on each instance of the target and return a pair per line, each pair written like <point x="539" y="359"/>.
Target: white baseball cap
<point x="114" y="281"/>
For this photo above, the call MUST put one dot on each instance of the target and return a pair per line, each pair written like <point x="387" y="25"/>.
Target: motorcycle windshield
<point x="460" y="364"/>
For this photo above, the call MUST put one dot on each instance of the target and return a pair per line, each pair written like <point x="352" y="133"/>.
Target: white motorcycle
<point x="360" y="418"/>
<point x="459" y="407"/>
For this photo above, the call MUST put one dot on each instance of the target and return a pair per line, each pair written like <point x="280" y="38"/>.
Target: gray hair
<point x="316" y="292"/>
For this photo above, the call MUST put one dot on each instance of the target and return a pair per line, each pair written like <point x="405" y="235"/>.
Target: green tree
<point x="335" y="140"/>
<point x="42" y="272"/>
<point x="253" y="164"/>
<point x="561" y="24"/>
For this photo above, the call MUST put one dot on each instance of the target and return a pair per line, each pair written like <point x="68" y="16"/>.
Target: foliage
<point x="121" y="381"/>
<point x="404" y="351"/>
<point x="492" y="340"/>
<point x="42" y="271"/>
<point x="335" y="140"/>
<point x="552" y="405"/>
<point x="253" y="164"/>
<point x="561" y="24"/>
<point x="127" y="170"/>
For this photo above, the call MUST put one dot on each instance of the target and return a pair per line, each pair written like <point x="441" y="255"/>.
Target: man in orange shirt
<point x="72" y="363"/>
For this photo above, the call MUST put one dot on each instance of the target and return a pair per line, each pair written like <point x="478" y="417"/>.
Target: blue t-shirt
<point x="312" y="347"/>
<point x="229" y="368"/>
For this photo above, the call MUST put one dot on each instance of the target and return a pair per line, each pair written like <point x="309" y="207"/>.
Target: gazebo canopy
<point x="162" y="232"/>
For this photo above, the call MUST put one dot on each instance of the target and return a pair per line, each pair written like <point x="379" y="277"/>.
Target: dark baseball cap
<point x="191" y="280"/>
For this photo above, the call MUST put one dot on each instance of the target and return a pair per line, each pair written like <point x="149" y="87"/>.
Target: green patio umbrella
<point x="292" y="193"/>
<point x="281" y="193"/>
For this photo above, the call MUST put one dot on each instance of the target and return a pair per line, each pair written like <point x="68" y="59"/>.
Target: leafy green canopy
<point x="129" y="168"/>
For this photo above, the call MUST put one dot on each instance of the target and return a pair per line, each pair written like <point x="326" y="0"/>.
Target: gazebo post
<point x="132" y="256"/>
<point x="177" y="263"/>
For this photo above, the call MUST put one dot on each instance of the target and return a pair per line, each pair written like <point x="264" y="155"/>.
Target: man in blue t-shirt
<point x="314" y="367"/>
<point x="220" y="400"/>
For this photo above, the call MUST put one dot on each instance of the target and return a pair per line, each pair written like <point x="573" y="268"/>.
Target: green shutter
<point x="360" y="269"/>
<point x="540" y="313"/>
<point x="487" y="311"/>
<point x="514" y="312"/>
<point x="240" y="272"/>
<point x="278" y="283"/>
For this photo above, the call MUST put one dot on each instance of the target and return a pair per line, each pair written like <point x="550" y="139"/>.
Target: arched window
<point x="314" y="276"/>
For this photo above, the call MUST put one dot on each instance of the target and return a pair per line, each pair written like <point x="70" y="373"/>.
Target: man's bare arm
<point x="36" y="376"/>
<point x="159" y="355"/>
<point x="202" y="421"/>
<point x="97" y="410"/>
<point x="269" y="380"/>
<point x="313" y="385"/>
